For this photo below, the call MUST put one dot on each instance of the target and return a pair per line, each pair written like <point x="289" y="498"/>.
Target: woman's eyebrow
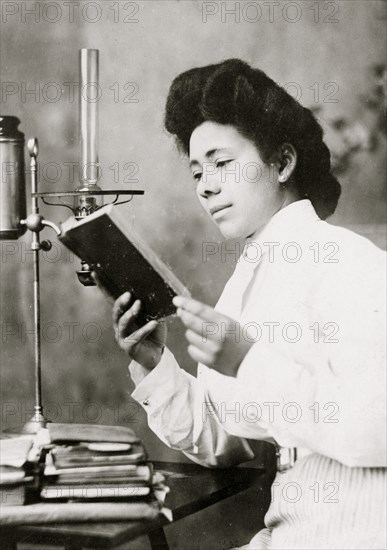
<point x="209" y="154"/>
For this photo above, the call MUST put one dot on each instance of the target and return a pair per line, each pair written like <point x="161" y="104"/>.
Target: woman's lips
<point x="221" y="212"/>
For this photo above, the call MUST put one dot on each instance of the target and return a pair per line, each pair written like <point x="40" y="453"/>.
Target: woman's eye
<point x="197" y="176"/>
<point x="221" y="163"/>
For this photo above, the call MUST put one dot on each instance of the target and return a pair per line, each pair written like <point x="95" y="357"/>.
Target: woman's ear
<point x="287" y="160"/>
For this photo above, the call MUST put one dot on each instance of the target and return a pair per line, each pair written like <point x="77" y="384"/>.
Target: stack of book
<point x="96" y="463"/>
<point x="78" y="473"/>
<point x="18" y="470"/>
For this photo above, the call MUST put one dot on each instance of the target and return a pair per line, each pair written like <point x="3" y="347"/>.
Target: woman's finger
<point x="195" y="323"/>
<point x="199" y="356"/>
<point x="202" y="343"/>
<point x="205" y="312"/>
<point x="140" y="334"/>
<point x="125" y="322"/>
<point x="120" y="306"/>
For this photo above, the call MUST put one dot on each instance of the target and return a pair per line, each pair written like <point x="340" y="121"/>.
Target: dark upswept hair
<point x="234" y="93"/>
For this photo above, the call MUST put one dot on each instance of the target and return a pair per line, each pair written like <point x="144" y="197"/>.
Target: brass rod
<point x="38" y="416"/>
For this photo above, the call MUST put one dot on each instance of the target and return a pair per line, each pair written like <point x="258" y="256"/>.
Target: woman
<point x="293" y="351"/>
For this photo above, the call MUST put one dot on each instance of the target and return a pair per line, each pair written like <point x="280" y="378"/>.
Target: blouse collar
<point x="284" y="225"/>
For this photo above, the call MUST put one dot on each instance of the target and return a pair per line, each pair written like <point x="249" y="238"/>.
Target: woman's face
<point x="235" y="187"/>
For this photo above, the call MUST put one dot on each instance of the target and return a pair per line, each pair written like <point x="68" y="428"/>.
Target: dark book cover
<point x="70" y="456"/>
<point x="123" y="261"/>
<point x="94" y="491"/>
<point x="93" y="433"/>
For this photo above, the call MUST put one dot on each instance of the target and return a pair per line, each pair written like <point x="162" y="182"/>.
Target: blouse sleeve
<point x="172" y="399"/>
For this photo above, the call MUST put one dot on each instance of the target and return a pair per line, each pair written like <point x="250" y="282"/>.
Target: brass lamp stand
<point x="86" y="201"/>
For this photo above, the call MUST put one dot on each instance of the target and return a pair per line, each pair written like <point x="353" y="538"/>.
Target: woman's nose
<point x="210" y="181"/>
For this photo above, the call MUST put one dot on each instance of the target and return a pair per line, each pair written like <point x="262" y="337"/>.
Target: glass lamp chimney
<point x="89" y="96"/>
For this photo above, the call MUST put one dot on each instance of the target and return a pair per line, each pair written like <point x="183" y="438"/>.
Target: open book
<point x="123" y="261"/>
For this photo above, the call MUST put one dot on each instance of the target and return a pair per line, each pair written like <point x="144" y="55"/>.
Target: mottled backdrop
<point x="328" y="54"/>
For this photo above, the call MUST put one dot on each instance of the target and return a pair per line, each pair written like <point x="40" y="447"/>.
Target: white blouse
<point x="310" y="297"/>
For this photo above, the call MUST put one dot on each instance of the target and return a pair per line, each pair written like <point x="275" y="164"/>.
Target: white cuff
<point x="158" y="387"/>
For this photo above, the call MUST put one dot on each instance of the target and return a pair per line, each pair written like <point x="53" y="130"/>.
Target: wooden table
<point x="192" y="488"/>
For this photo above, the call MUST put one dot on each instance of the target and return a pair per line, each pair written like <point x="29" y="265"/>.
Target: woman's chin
<point x="230" y="231"/>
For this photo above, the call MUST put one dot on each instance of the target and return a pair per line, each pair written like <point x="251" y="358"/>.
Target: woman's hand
<point x="215" y="340"/>
<point x="144" y="344"/>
